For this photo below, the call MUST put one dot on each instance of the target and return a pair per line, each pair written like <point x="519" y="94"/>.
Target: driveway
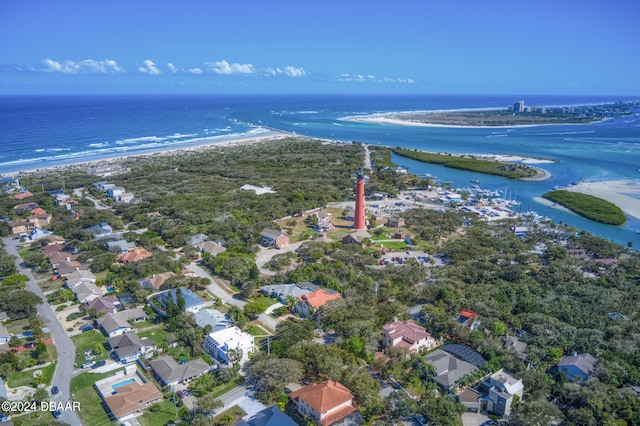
<point x="265" y="254"/>
<point x="64" y="344"/>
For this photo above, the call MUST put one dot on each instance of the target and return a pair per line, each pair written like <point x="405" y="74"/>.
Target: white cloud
<point x="148" y="67"/>
<point x="195" y="71"/>
<point x="172" y="68"/>
<point x="359" y="78"/>
<point x="294" y="72"/>
<point x="224" y="67"/>
<point x="87" y="66"/>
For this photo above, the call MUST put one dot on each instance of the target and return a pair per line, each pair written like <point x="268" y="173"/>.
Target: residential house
<point x="86" y="292"/>
<point x="115" y="191"/>
<point x="471" y="399"/>
<point x="452" y="362"/>
<point x="52" y="248"/>
<point x="357" y="237"/>
<point x="170" y="373"/>
<point x="26" y="207"/>
<point x="65" y="268"/>
<point x="270" y="416"/>
<point x="156" y="280"/>
<point x="514" y="345"/>
<point x="38" y="233"/>
<point x="81" y="275"/>
<point x="104" y="305"/>
<point x="22" y="195"/>
<point x="4" y="334"/>
<point x="42" y="219"/>
<point x="197" y="239"/>
<point x="135" y="255"/>
<point x="118" y="323"/>
<point x="20" y="226"/>
<point x="395" y="222"/>
<point x="128" y="399"/>
<point x="216" y="319"/>
<point x="119" y="246"/>
<point x="502" y="388"/>
<point x="283" y="292"/>
<point x="193" y="302"/>
<point x="220" y="345"/>
<point x="273" y="237"/>
<point x="580" y="254"/>
<point x="408" y="335"/>
<point x="468" y="319"/>
<point x="576" y="367"/>
<point x="327" y="403"/>
<point x="210" y="247"/>
<point x="101" y="230"/>
<point x="308" y="303"/>
<point x="128" y="347"/>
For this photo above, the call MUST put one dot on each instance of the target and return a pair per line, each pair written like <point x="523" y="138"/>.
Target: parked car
<point x="99" y="364"/>
<point x="57" y="414"/>
<point x="180" y="394"/>
<point x="55" y="390"/>
<point x="86" y="327"/>
<point x="87" y="364"/>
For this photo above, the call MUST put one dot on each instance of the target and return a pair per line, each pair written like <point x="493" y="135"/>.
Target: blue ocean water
<point x="42" y="131"/>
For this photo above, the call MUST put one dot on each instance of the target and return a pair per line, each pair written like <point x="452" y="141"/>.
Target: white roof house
<point x="219" y="344"/>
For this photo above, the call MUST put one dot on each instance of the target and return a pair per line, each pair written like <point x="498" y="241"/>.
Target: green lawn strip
<point x="488" y="167"/>
<point x="156" y="334"/>
<point x="588" y="206"/>
<point x="82" y="390"/>
<point x="161" y="413"/>
<point x="17" y="326"/>
<point x="222" y="389"/>
<point x="264" y="302"/>
<point x="89" y="340"/>
<point x="25" y="378"/>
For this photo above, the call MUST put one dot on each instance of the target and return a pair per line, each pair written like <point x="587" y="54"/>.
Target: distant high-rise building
<point x="359" y="222"/>
<point x="518" y="106"/>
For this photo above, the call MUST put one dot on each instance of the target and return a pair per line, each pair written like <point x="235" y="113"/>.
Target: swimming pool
<point x="122" y="383"/>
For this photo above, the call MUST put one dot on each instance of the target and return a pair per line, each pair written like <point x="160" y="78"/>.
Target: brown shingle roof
<point x="131" y="398"/>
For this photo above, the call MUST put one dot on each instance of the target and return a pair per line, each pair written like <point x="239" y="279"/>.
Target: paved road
<point x="216" y="288"/>
<point x="97" y="204"/>
<point x="367" y="157"/>
<point x="64" y="344"/>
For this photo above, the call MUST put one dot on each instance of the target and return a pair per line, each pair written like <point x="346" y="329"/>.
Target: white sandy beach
<point x="214" y="143"/>
<point x="623" y="193"/>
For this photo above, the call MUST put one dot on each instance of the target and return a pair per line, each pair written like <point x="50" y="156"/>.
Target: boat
<point x="475" y="181"/>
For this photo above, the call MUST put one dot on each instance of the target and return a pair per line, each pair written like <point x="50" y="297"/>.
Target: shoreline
<point x="614" y="191"/>
<point x="400" y="122"/>
<point x="117" y="158"/>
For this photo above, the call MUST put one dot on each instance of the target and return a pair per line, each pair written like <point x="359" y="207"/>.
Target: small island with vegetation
<point x="588" y="206"/>
<point x="473" y="164"/>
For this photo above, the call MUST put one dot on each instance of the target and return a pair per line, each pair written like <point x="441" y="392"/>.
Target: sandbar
<point x="624" y="193"/>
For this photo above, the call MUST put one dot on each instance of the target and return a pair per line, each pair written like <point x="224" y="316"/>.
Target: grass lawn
<point x="49" y="285"/>
<point x="91" y="410"/>
<point x="17" y="326"/>
<point x="163" y="412"/>
<point x="256" y="331"/>
<point x="264" y="302"/>
<point x="25" y="378"/>
<point x="156" y="334"/>
<point x="222" y="389"/>
<point x="89" y="340"/>
<point x="392" y="245"/>
<point x="235" y="411"/>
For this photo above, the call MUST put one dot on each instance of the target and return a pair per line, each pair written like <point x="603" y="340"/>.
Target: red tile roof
<point x="318" y="298"/>
<point x="134" y="255"/>
<point x="325" y="396"/>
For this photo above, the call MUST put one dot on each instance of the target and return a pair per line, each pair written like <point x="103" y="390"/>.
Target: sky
<point x="563" y="47"/>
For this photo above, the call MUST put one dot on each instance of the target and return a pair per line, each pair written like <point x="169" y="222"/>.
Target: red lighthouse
<point x="359" y="222"/>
